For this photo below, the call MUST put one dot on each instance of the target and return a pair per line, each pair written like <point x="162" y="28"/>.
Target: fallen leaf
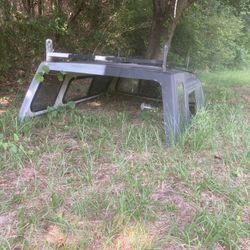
<point x="217" y="157"/>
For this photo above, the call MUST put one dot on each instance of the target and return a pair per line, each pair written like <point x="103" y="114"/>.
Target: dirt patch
<point x="244" y="93"/>
<point x="140" y="157"/>
<point x="15" y="180"/>
<point x="213" y="203"/>
<point x="56" y="237"/>
<point x="48" y="158"/>
<point x="14" y="185"/>
<point x="162" y="225"/>
<point x="220" y="171"/>
<point x="8" y="225"/>
<point x="65" y="140"/>
<point x="196" y="176"/>
<point x="183" y="215"/>
<point x="245" y="244"/>
<point x="104" y="173"/>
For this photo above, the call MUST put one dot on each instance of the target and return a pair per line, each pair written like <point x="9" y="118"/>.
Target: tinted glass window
<point x="46" y="93"/>
<point x="100" y="84"/>
<point x="144" y="88"/>
<point x="129" y="86"/>
<point x="192" y="103"/>
<point x="150" y="89"/>
<point x="78" y="89"/>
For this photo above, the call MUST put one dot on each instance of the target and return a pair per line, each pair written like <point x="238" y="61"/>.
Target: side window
<point x="100" y="84"/>
<point x="192" y="103"/>
<point x="144" y="88"/>
<point x="78" y="89"/>
<point x="46" y="93"/>
<point x="129" y="86"/>
<point x="150" y="89"/>
<point x="181" y="102"/>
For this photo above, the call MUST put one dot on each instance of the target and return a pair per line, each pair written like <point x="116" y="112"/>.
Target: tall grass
<point x="107" y="180"/>
<point x="226" y="78"/>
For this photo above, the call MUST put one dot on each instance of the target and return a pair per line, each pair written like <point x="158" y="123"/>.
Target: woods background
<point x="211" y="35"/>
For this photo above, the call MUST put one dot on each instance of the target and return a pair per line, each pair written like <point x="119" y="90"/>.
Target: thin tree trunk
<point x="76" y="11"/>
<point x="40" y="7"/>
<point x="58" y="6"/>
<point x="28" y="5"/>
<point x="73" y="16"/>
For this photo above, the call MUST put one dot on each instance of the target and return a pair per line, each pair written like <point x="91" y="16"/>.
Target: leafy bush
<point x="210" y="36"/>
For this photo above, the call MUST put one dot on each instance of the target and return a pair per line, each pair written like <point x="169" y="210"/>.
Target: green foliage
<point x="56" y="200"/>
<point x="11" y="146"/>
<point x="213" y="36"/>
<point x="127" y="29"/>
<point x="226" y="78"/>
<point x="46" y="69"/>
<point x="39" y="77"/>
<point x="60" y="76"/>
<point x="22" y="42"/>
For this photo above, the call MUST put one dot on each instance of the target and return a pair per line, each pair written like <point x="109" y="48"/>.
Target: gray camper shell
<point x="67" y="77"/>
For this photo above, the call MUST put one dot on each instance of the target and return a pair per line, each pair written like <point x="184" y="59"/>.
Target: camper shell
<point x="64" y="78"/>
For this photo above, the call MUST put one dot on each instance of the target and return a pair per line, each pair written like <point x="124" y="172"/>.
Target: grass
<point x="226" y="78"/>
<point x="102" y="178"/>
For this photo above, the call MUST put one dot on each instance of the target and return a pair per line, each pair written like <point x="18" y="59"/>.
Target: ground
<point x="99" y="176"/>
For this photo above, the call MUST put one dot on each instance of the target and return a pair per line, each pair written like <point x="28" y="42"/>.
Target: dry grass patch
<point x="182" y="211"/>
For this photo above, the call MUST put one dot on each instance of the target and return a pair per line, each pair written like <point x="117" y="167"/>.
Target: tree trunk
<point x="74" y="15"/>
<point x="76" y="12"/>
<point x="58" y="6"/>
<point x="28" y="5"/>
<point x="160" y="34"/>
<point x="155" y="38"/>
<point x="166" y="15"/>
<point x="40" y="7"/>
